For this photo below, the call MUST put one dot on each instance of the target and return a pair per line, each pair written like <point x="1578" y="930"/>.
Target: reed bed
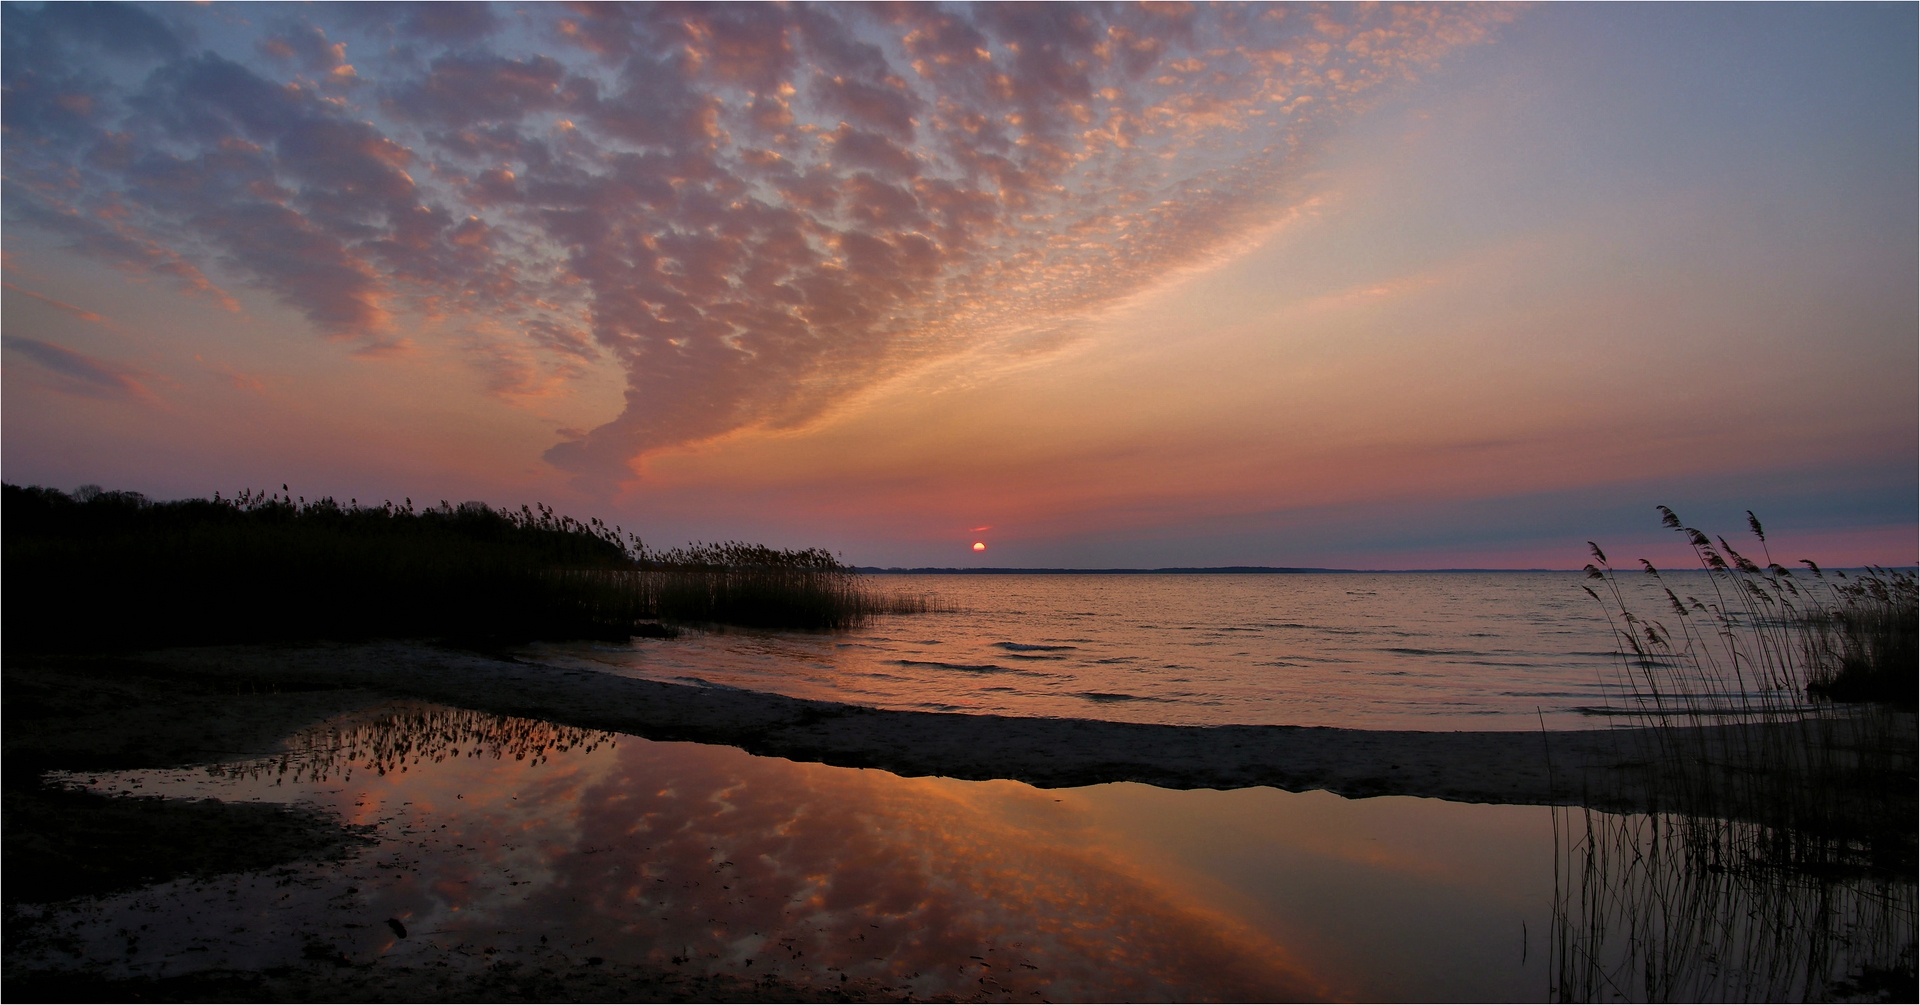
<point x="97" y="570"/>
<point x="1776" y="860"/>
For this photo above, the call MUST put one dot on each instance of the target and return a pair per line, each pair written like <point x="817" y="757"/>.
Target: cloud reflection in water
<point x="499" y="833"/>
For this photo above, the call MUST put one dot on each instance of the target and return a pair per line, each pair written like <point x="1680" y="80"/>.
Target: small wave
<point x="1326" y="629"/>
<point x="981" y="668"/>
<point x="1026" y="647"/>
<point x="698" y="682"/>
<point x="1111" y="696"/>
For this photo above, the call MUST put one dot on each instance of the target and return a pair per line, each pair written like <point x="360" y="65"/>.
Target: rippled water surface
<point x="1371" y="650"/>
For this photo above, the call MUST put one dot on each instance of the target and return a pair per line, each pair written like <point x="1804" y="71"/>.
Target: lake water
<point x="512" y="842"/>
<point x="1438" y="651"/>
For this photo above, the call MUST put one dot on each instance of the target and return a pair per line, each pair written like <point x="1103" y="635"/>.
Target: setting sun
<point x="979" y="546"/>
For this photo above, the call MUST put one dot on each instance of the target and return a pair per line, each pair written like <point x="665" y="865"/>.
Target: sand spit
<point x="1492" y="767"/>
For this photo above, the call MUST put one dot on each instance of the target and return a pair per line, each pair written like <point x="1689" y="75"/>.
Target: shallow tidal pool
<point x="504" y="841"/>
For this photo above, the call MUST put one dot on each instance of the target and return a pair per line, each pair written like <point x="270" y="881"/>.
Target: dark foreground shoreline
<point x="1594" y="767"/>
<point x="1504" y="767"/>
<point x="182" y="707"/>
<point x="1600" y="768"/>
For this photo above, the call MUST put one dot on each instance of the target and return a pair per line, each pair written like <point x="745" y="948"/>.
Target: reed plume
<point x="1777" y="859"/>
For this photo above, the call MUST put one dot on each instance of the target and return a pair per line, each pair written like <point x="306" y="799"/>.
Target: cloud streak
<point x="79" y="374"/>
<point x="753" y="211"/>
<point x="60" y="305"/>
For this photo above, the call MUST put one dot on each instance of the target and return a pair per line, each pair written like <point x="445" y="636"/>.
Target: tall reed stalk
<point x="1777" y="857"/>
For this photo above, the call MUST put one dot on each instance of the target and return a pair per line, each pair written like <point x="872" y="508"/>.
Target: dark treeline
<point x="101" y="569"/>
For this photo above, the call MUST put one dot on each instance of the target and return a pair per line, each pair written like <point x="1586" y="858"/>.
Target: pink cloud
<point x="756" y="211"/>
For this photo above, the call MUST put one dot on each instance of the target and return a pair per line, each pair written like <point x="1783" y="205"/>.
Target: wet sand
<point x="1488" y="766"/>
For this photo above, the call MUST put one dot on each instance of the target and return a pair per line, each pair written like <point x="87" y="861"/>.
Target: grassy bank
<point x="99" y="570"/>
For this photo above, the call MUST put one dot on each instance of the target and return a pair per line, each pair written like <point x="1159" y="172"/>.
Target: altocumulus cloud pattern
<point x="751" y="210"/>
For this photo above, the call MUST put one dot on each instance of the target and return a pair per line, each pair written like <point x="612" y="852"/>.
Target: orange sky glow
<point x="1157" y="285"/>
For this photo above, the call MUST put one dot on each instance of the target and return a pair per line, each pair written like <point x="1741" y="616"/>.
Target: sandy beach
<point x="1506" y="767"/>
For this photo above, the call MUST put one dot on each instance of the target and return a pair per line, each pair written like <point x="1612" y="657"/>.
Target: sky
<point x="1384" y="287"/>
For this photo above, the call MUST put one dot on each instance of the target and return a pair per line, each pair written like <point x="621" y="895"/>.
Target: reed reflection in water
<point x="1670" y="907"/>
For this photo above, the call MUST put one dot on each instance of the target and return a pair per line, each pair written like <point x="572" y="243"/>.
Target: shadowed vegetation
<point x="100" y="569"/>
<point x="1778" y="859"/>
<point x="1864" y="645"/>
